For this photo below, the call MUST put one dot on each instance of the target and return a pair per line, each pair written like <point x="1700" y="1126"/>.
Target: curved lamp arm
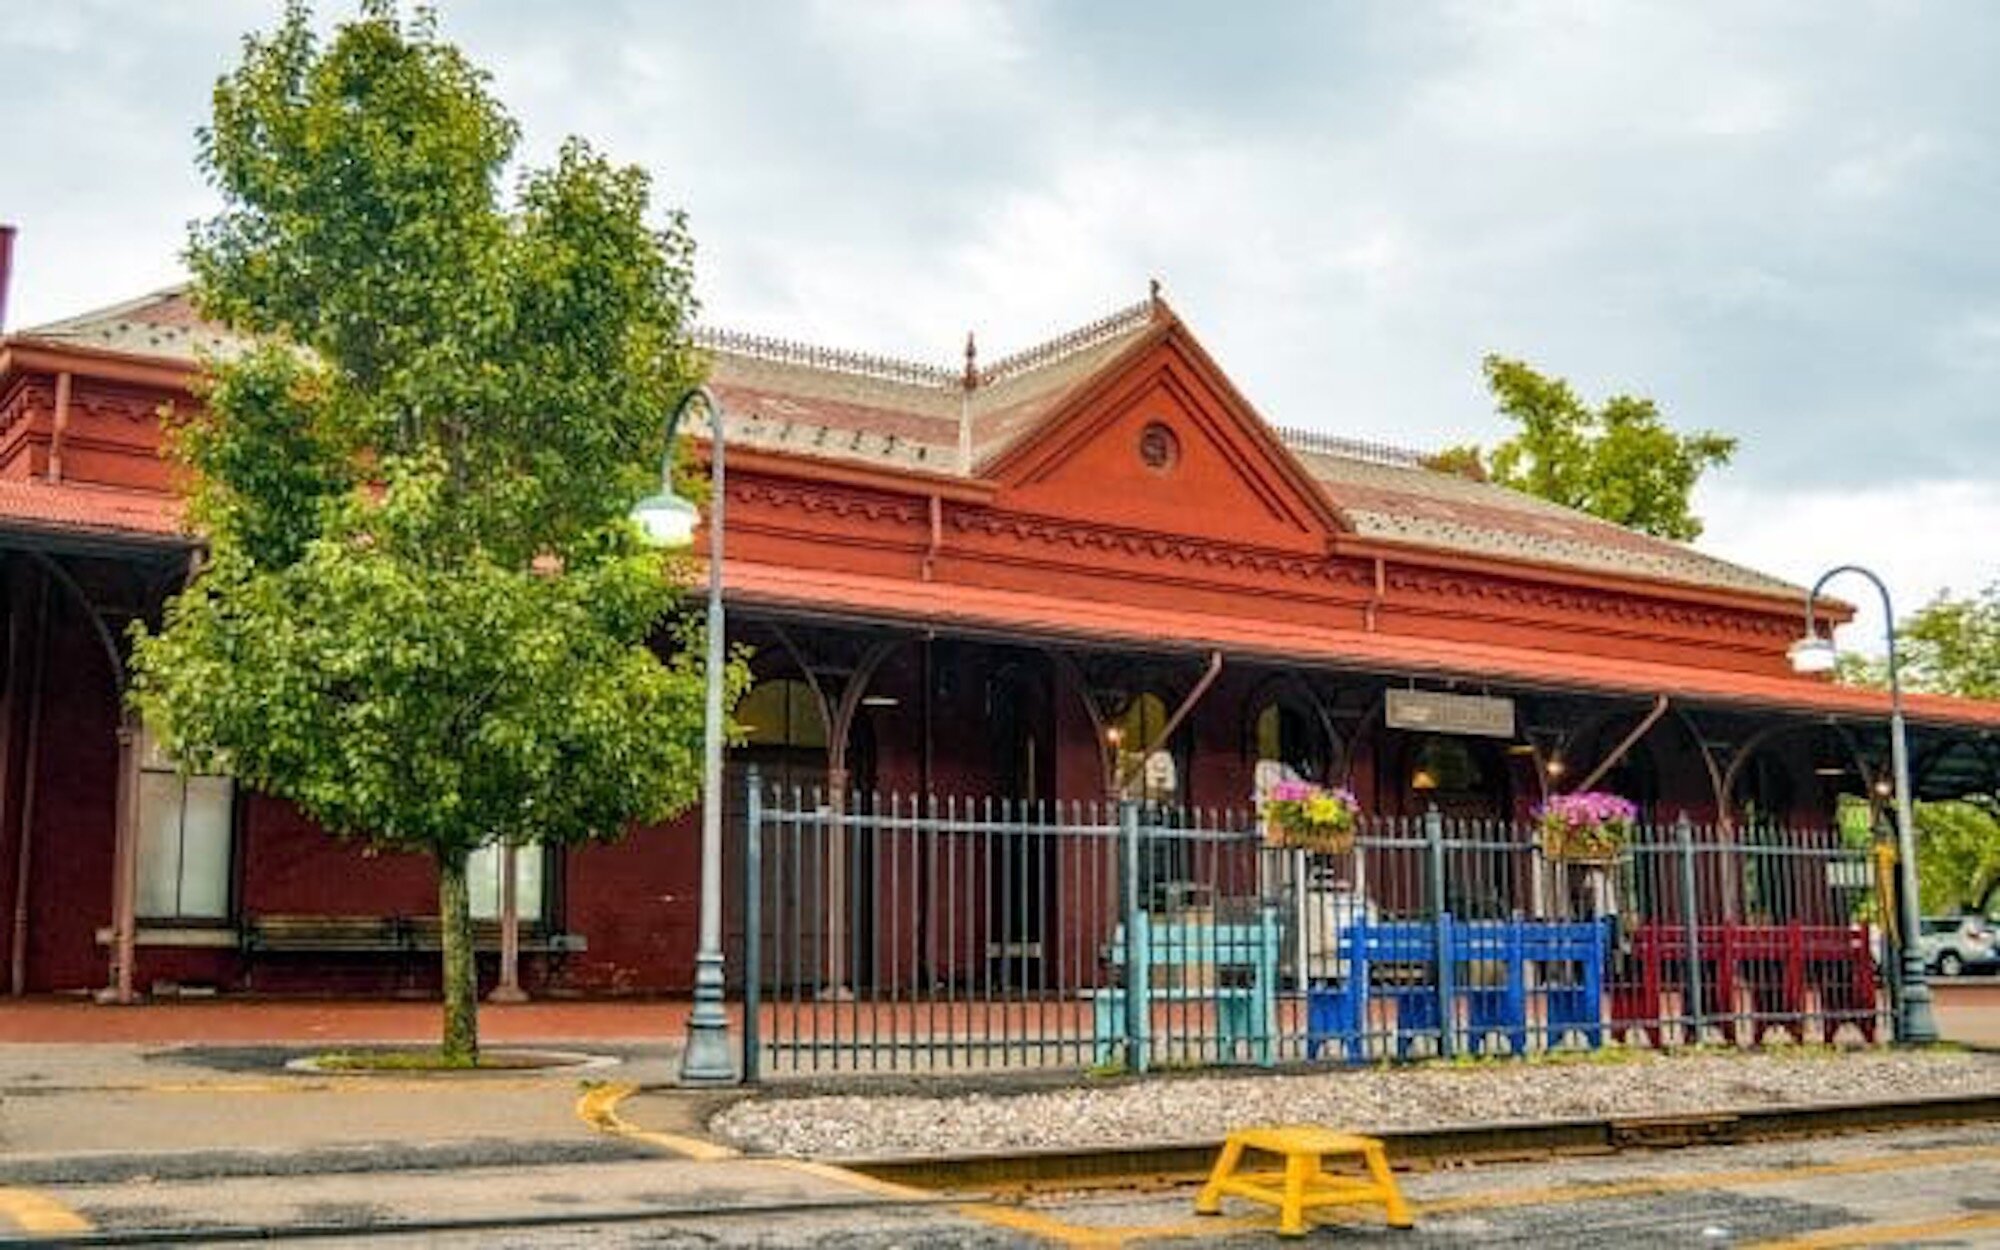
<point x="668" y="519"/>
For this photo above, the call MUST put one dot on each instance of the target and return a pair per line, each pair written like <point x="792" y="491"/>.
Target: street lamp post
<point x="669" y="521"/>
<point x="1814" y="654"/>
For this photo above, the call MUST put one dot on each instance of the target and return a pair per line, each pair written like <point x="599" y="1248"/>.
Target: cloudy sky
<point x="1779" y="220"/>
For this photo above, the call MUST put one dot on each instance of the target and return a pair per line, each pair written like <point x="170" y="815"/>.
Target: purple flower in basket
<point x="1592" y="825"/>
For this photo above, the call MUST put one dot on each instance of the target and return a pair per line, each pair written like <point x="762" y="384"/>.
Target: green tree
<point x="1619" y="461"/>
<point x="1951" y="645"/>
<point x="424" y="617"/>
<point x="1958" y="854"/>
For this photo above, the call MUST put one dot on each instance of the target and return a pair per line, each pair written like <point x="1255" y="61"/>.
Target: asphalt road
<point x="196" y="1144"/>
<point x="1932" y="1187"/>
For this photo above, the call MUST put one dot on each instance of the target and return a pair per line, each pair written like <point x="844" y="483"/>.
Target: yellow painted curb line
<point x="35" y="1212"/>
<point x="1885" y="1234"/>
<point x="599" y="1109"/>
<point x="1106" y="1237"/>
<point x="1652" y="1186"/>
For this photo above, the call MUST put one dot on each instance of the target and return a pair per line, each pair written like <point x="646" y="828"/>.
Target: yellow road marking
<point x="1655" y="1185"/>
<point x="855" y="1180"/>
<point x="34" y="1212"/>
<point x="358" y="1084"/>
<point x="1088" y="1237"/>
<point x="1885" y="1234"/>
<point x="599" y="1109"/>
<point x="1105" y="1236"/>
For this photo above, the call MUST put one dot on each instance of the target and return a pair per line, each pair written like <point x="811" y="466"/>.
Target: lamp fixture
<point x="879" y="700"/>
<point x="1423" y="779"/>
<point x="667" y="519"/>
<point x="1812" y="654"/>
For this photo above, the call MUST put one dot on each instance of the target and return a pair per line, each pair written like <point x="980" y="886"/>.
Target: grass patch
<point x="430" y="1061"/>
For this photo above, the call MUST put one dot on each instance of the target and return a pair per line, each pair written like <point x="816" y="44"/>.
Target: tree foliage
<point x="1958" y="854"/>
<point x="425" y="618"/>
<point x="1619" y="461"/>
<point x="1951" y="645"/>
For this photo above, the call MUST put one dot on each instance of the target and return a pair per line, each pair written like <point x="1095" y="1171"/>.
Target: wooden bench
<point x="425" y="934"/>
<point x="1232" y="966"/>
<point x="1754" y="978"/>
<point x="322" y="934"/>
<point x="1382" y="956"/>
<point x="278" y="933"/>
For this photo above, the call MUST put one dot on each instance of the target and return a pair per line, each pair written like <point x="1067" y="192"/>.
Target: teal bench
<point x="1237" y="965"/>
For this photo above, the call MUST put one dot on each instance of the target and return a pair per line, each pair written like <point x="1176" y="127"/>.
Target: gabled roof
<point x="162" y="325"/>
<point x="803" y="400"/>
<point x="1388" y="495"/>
<point x="786" y="396"/>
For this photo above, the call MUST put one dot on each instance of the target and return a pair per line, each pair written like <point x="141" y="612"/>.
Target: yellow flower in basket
<point x="1306" y="817"/>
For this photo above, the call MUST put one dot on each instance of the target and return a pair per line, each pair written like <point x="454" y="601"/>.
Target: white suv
<point x="1952" y="945"/>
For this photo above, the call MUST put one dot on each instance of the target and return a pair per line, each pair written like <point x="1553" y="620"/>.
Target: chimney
<point x="6" y="270"/>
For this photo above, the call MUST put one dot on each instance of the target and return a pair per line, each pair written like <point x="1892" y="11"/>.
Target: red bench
<point x="1772" y="969"/>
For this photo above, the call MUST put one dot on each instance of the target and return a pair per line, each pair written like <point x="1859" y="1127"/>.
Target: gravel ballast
<point x="1198" y="1108"/>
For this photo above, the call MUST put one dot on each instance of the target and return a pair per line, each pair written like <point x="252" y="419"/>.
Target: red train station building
<point x="1092" y="569"/>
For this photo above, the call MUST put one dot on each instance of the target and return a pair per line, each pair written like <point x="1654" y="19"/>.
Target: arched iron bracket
<point x="61" y="577"/>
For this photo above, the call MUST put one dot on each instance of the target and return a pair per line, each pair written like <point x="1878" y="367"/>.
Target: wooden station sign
<point x="1436" y="712"/>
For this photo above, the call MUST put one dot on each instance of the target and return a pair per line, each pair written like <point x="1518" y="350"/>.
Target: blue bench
<point x="1245" y="1009"/>
<point x="1337" y="1012"/>
<point x="1577" y="1007"/>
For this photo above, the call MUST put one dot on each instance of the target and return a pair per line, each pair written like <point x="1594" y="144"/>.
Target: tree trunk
<point x="461" y="981"/>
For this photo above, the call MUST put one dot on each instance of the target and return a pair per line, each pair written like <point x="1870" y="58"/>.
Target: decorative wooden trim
<point x="1502" y="564"/>
<point x="1083" y="536"/>
<point x="1543" y="598"/>
<point x="28" y="397"/>
<point x="813" y="500"/>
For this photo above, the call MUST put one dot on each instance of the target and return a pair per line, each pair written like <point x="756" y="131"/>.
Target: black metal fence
<point x="885" y="934"/>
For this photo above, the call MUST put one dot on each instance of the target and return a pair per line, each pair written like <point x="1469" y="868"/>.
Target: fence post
<point x="1691" y="923"/>
<point x="1138" y="964"/>
<point x="753" y="923"/>
<point x="1447" y="992"/>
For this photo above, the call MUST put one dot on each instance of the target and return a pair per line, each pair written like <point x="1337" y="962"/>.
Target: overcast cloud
<point x="1776" y="219"/>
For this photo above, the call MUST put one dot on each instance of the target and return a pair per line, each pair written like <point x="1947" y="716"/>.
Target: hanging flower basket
<point x="1588" y="828"/>
<point x="1305" y="817"/>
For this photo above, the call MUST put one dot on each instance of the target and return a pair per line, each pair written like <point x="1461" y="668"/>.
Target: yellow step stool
<point x="1302" y="1184"/>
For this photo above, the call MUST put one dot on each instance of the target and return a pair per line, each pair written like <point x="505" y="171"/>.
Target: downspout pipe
<point x="61" y="430"/>
<point x="936" y="543"/>
<point x="17" y="982"/>
<point x="1375" y="596"/>
<point x="6" y="270"/>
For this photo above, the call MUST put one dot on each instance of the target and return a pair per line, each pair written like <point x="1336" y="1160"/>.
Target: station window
<point x="184" y="839"/>
<point x="483" y="880"/>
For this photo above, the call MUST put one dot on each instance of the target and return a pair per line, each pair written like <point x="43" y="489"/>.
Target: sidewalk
<point x="303" y="1022"/>
<point x="207" y="1076"/>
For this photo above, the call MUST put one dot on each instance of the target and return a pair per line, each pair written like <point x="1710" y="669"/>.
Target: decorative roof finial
<point x="1153" y="293"/>
<point x="971" y="362"/>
